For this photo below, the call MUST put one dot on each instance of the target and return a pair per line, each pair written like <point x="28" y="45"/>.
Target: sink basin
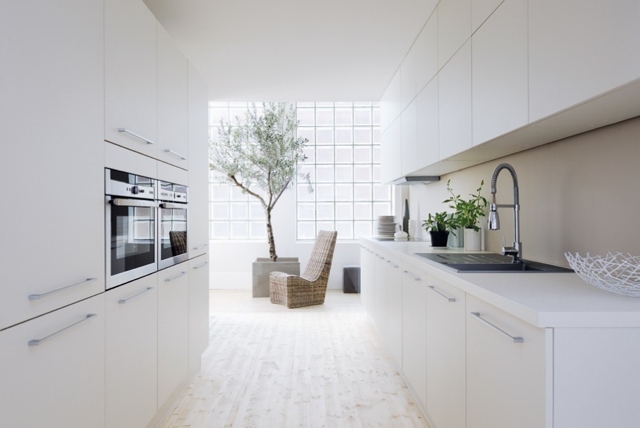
<point x="488" y="262"/>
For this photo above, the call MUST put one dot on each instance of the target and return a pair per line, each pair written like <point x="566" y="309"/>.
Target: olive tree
<point x="261" y="155"/>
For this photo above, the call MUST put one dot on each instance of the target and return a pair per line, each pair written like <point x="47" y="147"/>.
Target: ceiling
<point x="294" y="50"/>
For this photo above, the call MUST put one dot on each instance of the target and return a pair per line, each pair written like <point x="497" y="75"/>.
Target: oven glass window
<point x="132" y="238"/>
<point x="173" y="232"/>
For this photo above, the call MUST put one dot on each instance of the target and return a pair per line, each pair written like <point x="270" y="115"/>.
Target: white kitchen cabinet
<point x="427" y="138"/>
<point x="391" y="152"/>
<point x="409" y="151"/>
<point x="173" y="330"/>
<point x="52" y="105"/>
<point x="481" y="10"/>
<point x="367" y="279"/>
<point x="454" y="28"/>
<point x="454" y="91"/>
<point x="130" y="81"/>
<point x="445" y="359"/>
<point x="52" y="368"/>
<point x="507" y="365"/>
<point x="426" y="47"/>
<point x="173" y="102"/>
<point x="390" y="102"/>
<point x="414" y="331"/>
<point x="131" y="358"/>
<point x="408" y="78"/>
<point x="500" y="72"/>
<point x="198" y="310"/>
<point x="198" y="221"/>
<point x="390" y="308"/>
<point x="578" y="50"/>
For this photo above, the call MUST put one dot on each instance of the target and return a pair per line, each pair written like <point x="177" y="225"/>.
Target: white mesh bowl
<point x="618" y="273"/>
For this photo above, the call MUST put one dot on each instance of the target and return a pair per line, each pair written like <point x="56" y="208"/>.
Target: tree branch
<point x="237" y="183"/>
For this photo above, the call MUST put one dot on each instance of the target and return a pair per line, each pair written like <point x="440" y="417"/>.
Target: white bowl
<point x="618" y="273"/>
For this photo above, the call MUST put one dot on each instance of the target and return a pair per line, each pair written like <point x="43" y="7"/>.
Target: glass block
<point x="362" y="211"/>
<point x="237" y="195"/>
<point x="304" y="195"/>
<point x="309" y="134"/>
<point x="218" y="192"/>
<point x="324" y="173"/>
<point x="237" y="115"/>
<point x="381" y="192"/>
<point x="217" y="114"/>
<point x="324" y="136"/>
<point x="324" y="154"/>
<point x="306" y="211"/>
<point x="362" y="173"/>
<point x="309" y="169"/>
<point x="343" y="104"/>
<point x="310" y="153"/>
<point x="376" y="135"/>
<point x="344" y="211"/>
<point x="362" y="116"/>
<point x="239" y="230"/>
<point x="362" y="104"/>
<point x="324" y="192"/>
<point x="376" y="174"/>
<point x="344" y="192"/>
<point x="362" y="192"/>
<point x="381" y="208"/>
<point x="305" y="104"/>
<point x="362" y="154"/>
<point x="306" y="230"/>
<point x="344" y="136"/>
<point x="375" y="150"/>
<point x="324" y="211"/>
<point x="219" y="230"/>
<point x="363" y="228"/>
<point x="345" y="229"/>
<point x="324" y="117"/>
<point x="257" y="230"/>
<point x="362" y="135"/>
<point x="344" y="154"/>
<point x="256" y="212"/>
<point x="344" y="116"/>
<point x="239" y="211"/>
<point x="305" y="116"/>
<point x="326" y="225"/>
<point x="324" y="104"/>
<point x="220" y="211"/>
<point x="344" y="173"/>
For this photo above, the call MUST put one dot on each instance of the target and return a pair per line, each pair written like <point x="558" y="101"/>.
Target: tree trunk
<point x="272" y="243"/>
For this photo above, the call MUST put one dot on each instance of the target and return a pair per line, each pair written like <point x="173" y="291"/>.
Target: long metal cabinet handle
<point x="133" y="203"/>
<point x="199" y="246"/>
<point x="36" y="342"/>
<point x="409" y="274"/>
<point x="516" y="339"/>
<point x="450" y="299"/>
<point x="41" y="295"/>
<point x="175" y="154"/>
<point x="393" y="264"/>
<point x="175" y="276"/>
<point x="127" y="131"/>
<point x="201" y="265"/>
<point x="123" y="301"/>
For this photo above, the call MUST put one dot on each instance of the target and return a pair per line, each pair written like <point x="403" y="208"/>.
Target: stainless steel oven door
<point x="172" y="247"/>
<point x="131" y="239"/>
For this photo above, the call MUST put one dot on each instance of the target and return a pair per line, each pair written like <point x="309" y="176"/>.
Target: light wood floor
<point x="269" y="366"/>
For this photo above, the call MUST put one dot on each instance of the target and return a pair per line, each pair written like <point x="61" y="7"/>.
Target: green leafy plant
<point x="261" y="155"/>
<point x="440" y="222"/>
<point x="467" y="211"/>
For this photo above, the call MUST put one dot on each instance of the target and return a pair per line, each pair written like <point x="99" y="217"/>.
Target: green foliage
<point x="440" y="222"/>
<point x="467" y="211"/>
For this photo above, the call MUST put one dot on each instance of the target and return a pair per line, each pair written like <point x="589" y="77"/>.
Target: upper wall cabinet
<point x="500" y="83"/>
<point x="391" y="152"/>
<point x="427" y="142"/>
<point x="408" y="79"/>
<point x="390" y="102"/>
<point x="480" y="11"/>
<point x="52" y="110"/>
<point x="410" y="161"/>
<point x="454" y="27"/>
<point x="579" y="50"/>
<point x="426" y="52"/>
<point x="130" y="87"/>
<point x="173" y="102"/>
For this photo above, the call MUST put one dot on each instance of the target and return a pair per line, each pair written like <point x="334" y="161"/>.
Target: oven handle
<point x="133" y="203"/>
<point x="170" y="205"/>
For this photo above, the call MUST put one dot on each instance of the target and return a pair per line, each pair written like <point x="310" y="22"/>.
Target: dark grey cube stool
<point x="351" y="279"/>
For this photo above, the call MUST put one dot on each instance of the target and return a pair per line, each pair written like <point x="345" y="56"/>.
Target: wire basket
<point x="618" y="273"/>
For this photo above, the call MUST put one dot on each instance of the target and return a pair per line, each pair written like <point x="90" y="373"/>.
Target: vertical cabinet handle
<point x="176" y="154"/>
<point x="36" y="342"/>
<point x="450" y="299"/>
<point x="409" y="274"/>
<point x="515" y="339"/>
<point x="138" y="136"/>
<point x="48" y="293"/>
<point x="171" y="278"/>
<point x="123" y="301"/>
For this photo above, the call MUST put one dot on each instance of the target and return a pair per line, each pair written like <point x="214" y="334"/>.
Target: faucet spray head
<point x="494" y="219"/>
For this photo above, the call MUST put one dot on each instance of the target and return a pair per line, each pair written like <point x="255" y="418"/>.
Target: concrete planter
<point x="263" y="267"/>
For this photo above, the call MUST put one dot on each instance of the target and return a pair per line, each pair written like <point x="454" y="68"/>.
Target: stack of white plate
<point x="386" y="226"/>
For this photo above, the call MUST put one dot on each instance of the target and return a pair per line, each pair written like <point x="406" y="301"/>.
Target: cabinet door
<point x="198" y="310"/>
<point x="408" y="79"/>
<point x="414" y="331"/>
<point x="445" y="361"/>
<point x="578" y="50"/>
<point x="367" y="279"/>
<point x="132" y="353"/>
<point x="454" y="28"/>
<point x="173" y="102"/>
<point x="508" y="364"/>
<point x="198" y="223"/>
<point x="481" y="10"/>
<point x="391" y="152"/>
<point x="52" y="106"/>
<point x="427" y="138"/>
<point x="390" y="102"/>
<point x="173" y="330"/>
<point x="409" y="151"/>
<point x="500" y="72"/>
<point x="426" y="47"/>
<point x="130" y="82"/>
<point x="392" y="305"/>
<point x="58" y="381"/>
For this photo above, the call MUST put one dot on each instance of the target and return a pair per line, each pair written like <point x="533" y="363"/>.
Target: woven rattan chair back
<point x="321" y="257"/>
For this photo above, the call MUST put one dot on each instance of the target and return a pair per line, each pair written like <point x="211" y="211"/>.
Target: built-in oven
<point x="131" y="234"/>
<point x="172" y="218"/>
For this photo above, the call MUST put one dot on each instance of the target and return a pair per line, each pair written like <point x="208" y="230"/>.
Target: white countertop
<point x="541" y="299"/>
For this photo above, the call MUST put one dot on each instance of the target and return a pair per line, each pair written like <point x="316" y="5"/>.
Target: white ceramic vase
<point x="472" y="240"/>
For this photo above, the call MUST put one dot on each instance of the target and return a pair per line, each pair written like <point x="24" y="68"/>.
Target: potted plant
<point x="261" y="155"/>
<point x="467" y="215"/>
<point x="439" y="226"/>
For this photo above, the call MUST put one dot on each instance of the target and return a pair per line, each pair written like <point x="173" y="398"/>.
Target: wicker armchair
<point x="309" y="288"/>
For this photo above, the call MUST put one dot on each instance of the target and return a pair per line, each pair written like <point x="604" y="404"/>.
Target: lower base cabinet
<point x="132" y="353"/>
<point x="198" y="310"/>
<point x="52" y="369"/>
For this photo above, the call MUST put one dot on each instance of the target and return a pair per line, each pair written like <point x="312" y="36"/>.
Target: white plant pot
<point x="472" y="240"/>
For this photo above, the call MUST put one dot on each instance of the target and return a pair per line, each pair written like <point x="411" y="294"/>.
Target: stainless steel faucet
<point x="514" y="251"/>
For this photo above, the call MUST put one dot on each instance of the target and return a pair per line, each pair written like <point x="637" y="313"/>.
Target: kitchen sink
<point x="488" y="262"/>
